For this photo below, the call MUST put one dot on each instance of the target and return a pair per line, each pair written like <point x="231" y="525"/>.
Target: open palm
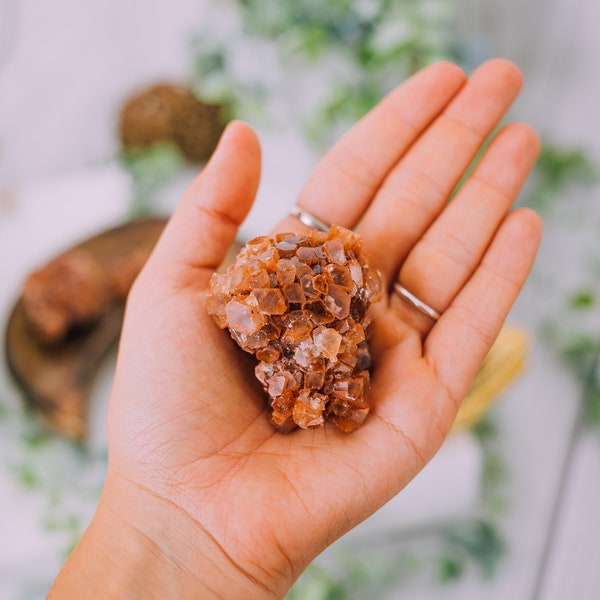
<point x="189" y="432"/>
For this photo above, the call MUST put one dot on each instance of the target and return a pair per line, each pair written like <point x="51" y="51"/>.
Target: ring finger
<point x="442" y="261"/>
<point x="416" y="191"/>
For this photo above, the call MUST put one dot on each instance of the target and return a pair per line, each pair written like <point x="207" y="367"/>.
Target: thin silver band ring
<point x="309" y="219"/>
<point x="414" y="301"/>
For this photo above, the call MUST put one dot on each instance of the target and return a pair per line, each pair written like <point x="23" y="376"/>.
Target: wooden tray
<point x="56" y="379"/>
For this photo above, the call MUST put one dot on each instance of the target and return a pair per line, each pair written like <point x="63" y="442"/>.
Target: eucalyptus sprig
<point x="570" y="325"/>
<point x="343" y="56"/>
<point x="150" y="168"/>
<point x="373" y="572"/>
<point x="558" y="169"/>
<point x="580" y="351"/>
<point x="66" y="476"/>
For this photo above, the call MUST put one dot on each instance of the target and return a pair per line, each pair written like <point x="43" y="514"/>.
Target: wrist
<point x="141" y="546"/>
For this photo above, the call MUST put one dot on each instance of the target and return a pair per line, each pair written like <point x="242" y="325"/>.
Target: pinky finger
<point x="460" y="340"/>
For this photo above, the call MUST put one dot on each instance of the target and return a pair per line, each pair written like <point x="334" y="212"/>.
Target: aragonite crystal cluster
<point x="300" y="303"/>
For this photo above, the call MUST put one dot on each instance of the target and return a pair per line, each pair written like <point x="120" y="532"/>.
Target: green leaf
<point x="592" y="404"/>
<point x="379" y="42"/>
<point x="316" y="583"/>
<point x="150" y="168"/>
<point x="450" y="568"/>
<point x="560" y="165"/>
<point x="557" y="168"/>
<point x="26" y="476"/>
<point x="153" y="164"/>
<point x="481" y="541"/>
<point x="485" y="429"/>
<point x="35" y="438"/>
<point x="580" y="351"/>
<point x="583" y="299"/>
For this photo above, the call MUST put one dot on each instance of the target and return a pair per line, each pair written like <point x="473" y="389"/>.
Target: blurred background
<point x="108" y="109"/>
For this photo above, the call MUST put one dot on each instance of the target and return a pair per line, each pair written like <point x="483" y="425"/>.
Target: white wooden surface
<point x="64" y="68"/>
<point x="571" y="569"/>
<point x="553" y="523"/>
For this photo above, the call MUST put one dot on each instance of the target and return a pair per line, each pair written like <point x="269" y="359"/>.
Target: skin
<point x="203" y="499"/>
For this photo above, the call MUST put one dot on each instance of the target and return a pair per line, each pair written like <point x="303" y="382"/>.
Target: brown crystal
<point x="69" y="291"/>
<point x="300" y="303"/>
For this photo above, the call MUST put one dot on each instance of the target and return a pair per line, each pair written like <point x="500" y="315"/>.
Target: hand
<point x="197" y="475"/>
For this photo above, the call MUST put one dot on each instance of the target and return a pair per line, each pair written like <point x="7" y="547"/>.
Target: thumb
<point x="206" y="221"/>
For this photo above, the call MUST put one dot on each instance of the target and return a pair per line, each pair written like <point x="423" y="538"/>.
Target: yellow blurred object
<point x="503" y="363"/>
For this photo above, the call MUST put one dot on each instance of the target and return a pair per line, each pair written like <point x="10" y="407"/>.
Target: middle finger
<point x="446" y="256"/>
<point x="416" y="190"/>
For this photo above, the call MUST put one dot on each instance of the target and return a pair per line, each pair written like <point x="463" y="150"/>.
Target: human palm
<point x="188" y="422"/>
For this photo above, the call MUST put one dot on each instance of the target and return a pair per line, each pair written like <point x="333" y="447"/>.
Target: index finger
<point x="345" y="181"/>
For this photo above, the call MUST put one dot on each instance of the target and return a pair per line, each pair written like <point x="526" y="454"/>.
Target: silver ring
<point x="309" y="219"/>
<point x="414" y="301"/>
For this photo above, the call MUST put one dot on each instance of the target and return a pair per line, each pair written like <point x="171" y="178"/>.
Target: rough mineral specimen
<point x="300" y="302"/>
<point x="72" y="292"/>
<point x="68" y="291"/>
